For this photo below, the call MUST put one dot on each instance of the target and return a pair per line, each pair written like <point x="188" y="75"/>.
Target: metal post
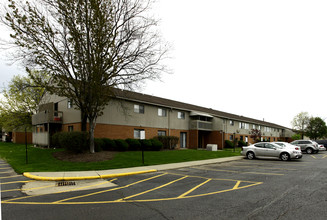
<point x="26" y="146"/>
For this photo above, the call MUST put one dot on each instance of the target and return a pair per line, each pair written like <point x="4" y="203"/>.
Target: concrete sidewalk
<point x="102" y="174"/>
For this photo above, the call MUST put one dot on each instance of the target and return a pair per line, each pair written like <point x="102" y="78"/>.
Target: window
<point x="70" y="103"/>
<point x="231" y="137"/>
<point x="161" y="133"/>
<point x="139" y="134"/>
<point x="162" y="112"/>
<point x="244" y="125"/>
<point x="181" y="115"/>
<point x="231" y="122"/>
<point x="139" y="109"/>
<point x="70" y="128"/>
<point x="253" y="126"/>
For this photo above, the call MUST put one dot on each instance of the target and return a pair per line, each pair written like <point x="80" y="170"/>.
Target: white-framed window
<point x="161" y="133"/>
<point x="70" y="103"/>
<point x="71" y="128"/>
<point x="231" y="122"/>
<point x="139" y="134"/>
<point x="162" y="112"/>
<point x="253" y="126"/>
<point x="181" y="115"/>
<point x="139" y="109"/>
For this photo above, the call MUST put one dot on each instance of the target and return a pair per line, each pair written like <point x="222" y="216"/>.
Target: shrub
<point x="169" y="142"/>
<point x="55" y="140"/>
<point x="229" y="144"/>
<point x="98" y="144"/>
<point x="156" y="144"/>
<point x="76" y="141"/>
<point x="146" y="144"/>
<point x="242" y="143"/>
<point x="121" y="145"/>
<point x="134" y="144"/>
<point x="109" y="144"/>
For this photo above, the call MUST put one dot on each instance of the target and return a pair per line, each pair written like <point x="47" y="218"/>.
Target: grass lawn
<point x="41" y="160"/>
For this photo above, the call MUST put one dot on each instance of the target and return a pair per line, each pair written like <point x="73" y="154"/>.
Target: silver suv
<point x="307" y="146"/>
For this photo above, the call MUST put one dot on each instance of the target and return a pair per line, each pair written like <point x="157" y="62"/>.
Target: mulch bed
<point x="84" y="157"/>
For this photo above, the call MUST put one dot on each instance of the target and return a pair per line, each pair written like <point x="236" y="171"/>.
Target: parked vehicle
<point x="267" y="149"/>
<point x="322" y="142"/>
<point x="321" y="147"/>
<point x="307" y="145"/>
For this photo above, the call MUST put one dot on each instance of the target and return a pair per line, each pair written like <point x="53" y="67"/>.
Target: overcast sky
<point x="257" y="58"/>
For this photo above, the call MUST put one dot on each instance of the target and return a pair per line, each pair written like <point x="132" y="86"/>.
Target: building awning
<point x="194" y="113"/>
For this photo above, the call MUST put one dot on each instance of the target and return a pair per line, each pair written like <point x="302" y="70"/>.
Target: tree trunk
<point x="84" y="121"/>
<point x="91" y="132"/>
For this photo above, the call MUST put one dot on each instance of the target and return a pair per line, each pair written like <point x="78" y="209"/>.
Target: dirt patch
<point x="84" y="157"/>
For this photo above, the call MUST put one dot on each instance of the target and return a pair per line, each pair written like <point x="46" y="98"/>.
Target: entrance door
<point x="183" y="140"/>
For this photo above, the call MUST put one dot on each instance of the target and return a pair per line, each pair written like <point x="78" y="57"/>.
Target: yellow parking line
<point x="194" y="188"/>
<point x="150" y="190"/>
<point x="108" y="190"/>
<point x="268" y="168"/>
<point x="234" y="171"/>
<point x="313" y="156"/>
<point x="237" y="185"/>
<point x="7" y="177"/>
<point x="6" y="172"/>
<point x="16" y="182"/>
<point x="324" y="156"/>
<point x="4" y="168"/>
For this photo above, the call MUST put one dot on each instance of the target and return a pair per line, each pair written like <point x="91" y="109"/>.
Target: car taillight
<point x="297" y="148"/>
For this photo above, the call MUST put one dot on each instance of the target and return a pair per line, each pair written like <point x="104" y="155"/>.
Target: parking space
<point x="185" y="183"/>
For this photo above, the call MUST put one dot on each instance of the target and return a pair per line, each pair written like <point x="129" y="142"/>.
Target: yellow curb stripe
<point x="107" y="176"/>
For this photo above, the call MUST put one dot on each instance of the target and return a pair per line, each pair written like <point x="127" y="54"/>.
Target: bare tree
<point x="88" y="47"/>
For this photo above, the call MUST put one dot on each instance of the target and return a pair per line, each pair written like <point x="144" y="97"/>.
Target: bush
<point x="133" y="144"/>
<point x="146" y="144"/>
<point x="169" y="142"/>
<point x="121" y="145"/>
<point x="98" y="144"/>
<point x="109" y="144"/>
<point x="55" y="140"/>
<point x="229" y="144"/>
<point x="76" y="141"/>
<point x="156" y="144"/>
<point x="242" y="143"/>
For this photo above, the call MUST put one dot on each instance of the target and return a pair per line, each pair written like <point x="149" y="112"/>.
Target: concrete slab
<point x="49" y="187"/>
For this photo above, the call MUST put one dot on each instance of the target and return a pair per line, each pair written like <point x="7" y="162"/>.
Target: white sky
<point x="256" y="58"/>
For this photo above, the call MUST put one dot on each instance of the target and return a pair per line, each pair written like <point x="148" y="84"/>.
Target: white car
<point x="281" y="150"/>
<point x="321" y="147"/>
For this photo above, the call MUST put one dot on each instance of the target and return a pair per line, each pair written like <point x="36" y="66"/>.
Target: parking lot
<point x="244" y="189"/>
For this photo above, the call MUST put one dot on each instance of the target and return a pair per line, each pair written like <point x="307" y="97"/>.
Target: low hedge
<point x="169" y="142"/>
<point x="76" y="141"/>
<point x="121" y="145"/>
<point x="134" y="144"/>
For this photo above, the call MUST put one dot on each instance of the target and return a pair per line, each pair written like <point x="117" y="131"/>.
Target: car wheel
<point x="309" y="150"/>
<point x="285" y="157"/>
<point x="250" y="155"/>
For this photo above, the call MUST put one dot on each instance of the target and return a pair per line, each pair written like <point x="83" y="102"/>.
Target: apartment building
<point x="136" y="115"/>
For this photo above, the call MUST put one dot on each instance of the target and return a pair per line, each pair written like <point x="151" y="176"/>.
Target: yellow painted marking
<point x="6" y="172"/>
<point x="324" y="156"/>
<point x="313" y="156"/>
<point x="4" y="168"/>
<point x="6" y="177"/>
<point x="234" y="171"/>
<point x="108" y="190"/>
<point x="150" y="190"/>
<point x="237" y="185"/>
<point x="183" y="196"/>
<point x="191" y="190"/>
<point x="127" y="201"/>
<point x="74" y="189"/>
<point x="16" y="182"/>
<point x="266" y="168"/>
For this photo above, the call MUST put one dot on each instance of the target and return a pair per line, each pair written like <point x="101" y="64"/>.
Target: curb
<point x="35" y="177"/>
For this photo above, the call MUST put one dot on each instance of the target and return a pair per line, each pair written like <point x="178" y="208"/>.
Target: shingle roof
<point x="148" y="99"/>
